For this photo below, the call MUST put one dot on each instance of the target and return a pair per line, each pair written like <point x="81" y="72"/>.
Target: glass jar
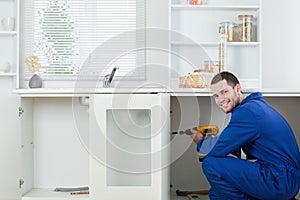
<point x="222" y="51"/>
<point x="227" y="28"/>
<point x="211" y="66"/>
<point x="245" y="28"/>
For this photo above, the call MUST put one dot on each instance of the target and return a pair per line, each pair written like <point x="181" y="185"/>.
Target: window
<point x="87" y="37"/>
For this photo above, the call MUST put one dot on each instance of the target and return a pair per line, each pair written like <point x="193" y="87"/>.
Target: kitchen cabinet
<point x="84" y="140"/>
<point x="52" y="154"/>
<point x="60" y="139"/>
<point x="9" y="37"/>
<point x="195" y="38"/>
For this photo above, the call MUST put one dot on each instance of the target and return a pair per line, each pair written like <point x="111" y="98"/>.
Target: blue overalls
<point x="264" y="134"/>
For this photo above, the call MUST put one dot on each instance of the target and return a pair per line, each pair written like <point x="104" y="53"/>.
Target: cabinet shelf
<point x="212" y="44"/>
<point x="2" y="74"/>
<point x="215" y="7"/>
<point x="45" y="194"/>
<point x="8" y="33"/>
<point x="247" y="84"/>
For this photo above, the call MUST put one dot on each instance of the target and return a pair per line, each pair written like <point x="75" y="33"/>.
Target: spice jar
<point x="227" y="28"/>
<point x="245" y="28"/>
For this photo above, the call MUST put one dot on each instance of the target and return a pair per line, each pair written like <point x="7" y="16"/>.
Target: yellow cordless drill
<point x="204" y="130"/>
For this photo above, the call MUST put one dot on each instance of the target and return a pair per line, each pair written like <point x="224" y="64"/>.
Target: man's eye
<point x="224" y="91"/>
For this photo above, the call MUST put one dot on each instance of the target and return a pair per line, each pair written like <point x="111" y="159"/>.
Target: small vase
<point x="35" y="81"/>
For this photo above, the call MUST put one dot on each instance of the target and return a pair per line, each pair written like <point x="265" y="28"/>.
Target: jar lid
<point x="198" y="70"/>
<point x="245" y="16"/>
<point x="227" y="24"/>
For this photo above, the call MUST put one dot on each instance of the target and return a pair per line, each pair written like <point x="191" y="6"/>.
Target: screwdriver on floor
<point x="204" y="130"/>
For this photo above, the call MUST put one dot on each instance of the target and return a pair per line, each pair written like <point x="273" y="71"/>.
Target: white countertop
<point x="69" y="92"/>
<point x="39" y="92"/>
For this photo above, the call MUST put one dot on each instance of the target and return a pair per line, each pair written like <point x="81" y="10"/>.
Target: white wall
<point x="281" y="43"/>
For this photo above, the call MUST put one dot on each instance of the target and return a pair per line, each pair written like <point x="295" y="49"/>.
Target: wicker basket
<point x="197" y="79"/>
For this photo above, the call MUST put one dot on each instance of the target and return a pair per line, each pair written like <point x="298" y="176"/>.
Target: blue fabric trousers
<point x="234" y="178"/>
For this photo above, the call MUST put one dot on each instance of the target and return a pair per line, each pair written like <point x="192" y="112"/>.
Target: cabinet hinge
<point x="21" y="182"/>
<point x="20" y="111"/>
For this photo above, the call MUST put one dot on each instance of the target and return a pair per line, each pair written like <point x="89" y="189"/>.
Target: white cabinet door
<point x="9" y="142"/>
<point x="26" y="124"/>
<point x="129" y="150"/>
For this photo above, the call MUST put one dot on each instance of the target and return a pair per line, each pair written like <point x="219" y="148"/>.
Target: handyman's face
<point x="226" y="97"/>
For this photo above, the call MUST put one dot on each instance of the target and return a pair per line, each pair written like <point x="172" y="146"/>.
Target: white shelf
<point x="8" y="33"/>
<point x="215" y="7"/>
<point x="280" y="92"/>
<point x="7" y="74"/>
<point x="49" y="194"/>
<point x="233" y="44"/>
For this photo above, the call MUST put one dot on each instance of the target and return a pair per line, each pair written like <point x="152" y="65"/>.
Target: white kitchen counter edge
<point x="71" y="92"/>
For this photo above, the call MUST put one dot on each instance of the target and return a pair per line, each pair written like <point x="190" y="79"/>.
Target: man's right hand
<point x="196" y="135"/>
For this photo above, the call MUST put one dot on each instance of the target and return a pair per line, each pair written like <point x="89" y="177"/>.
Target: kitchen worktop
<point x="36" y="92"/>
<point x="69" y="92"/>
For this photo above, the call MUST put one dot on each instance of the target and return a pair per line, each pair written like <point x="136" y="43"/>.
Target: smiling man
<point x="262" y="133"/>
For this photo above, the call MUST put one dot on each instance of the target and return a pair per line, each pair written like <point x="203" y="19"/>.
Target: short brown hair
<point x="229" y="77"/>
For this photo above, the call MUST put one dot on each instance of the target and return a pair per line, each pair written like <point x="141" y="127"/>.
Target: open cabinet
<point x="64" y="138"/>
<point x="189" y="111"/>
<point x="52" y="155"/>
<point x="195" y="38"/>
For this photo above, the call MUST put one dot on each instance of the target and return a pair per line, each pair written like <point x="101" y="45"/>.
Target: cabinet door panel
<point x="27" y="144"/>
<point x="9" y="141"/>
<point x="129" y="139"/>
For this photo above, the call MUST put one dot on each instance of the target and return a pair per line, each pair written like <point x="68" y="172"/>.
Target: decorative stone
<point x="35" y="81"/>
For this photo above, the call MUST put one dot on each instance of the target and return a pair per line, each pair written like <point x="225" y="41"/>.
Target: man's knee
<point x="209" y="164"/>
<point x="212" y="170"/>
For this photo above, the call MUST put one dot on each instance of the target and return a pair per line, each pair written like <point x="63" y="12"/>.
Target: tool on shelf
<point x="71" y="189"/>
<point x="80" y="192"/>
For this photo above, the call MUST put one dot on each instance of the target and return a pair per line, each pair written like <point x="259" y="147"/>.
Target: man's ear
<point x="238" y="88"/>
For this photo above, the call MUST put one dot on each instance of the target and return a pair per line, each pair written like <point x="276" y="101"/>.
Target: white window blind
<point x="90" y="37"/>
